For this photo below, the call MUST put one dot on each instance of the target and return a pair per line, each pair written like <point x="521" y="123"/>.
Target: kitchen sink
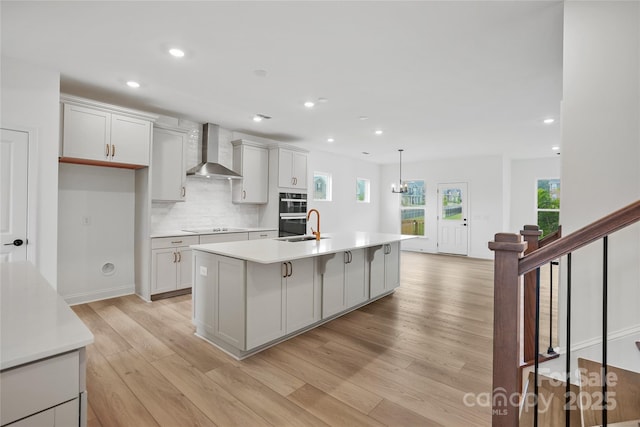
<point x="301" y="238"/>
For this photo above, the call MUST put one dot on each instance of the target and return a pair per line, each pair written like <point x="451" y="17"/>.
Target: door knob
<point x="17" y="242"/>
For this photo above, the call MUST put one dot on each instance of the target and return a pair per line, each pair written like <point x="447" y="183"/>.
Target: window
<point x="321" y="186"/>
<point x="548" y="205"/>
<point x="412" y="209"/>
<point x="362" y="190"/>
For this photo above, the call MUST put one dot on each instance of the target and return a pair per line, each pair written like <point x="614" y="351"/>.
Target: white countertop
<point x="177" y="233"/>
<point x="35" y="322"/>
<point x="268" y="251"/>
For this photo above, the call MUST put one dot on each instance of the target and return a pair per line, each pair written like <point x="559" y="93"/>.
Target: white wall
<point x="30" y="98"/>
<point x="484" y="176"/>
<point x="95" y="226"/>
<point x="343" y="212"/>
<point x="601" y="155"/>
<point x="524" y="176"/>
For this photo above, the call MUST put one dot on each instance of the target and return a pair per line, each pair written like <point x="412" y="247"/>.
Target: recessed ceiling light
<point x="555" y="148"/>
<point x="133" y="84"/>
<point x="366" y="153"/>
<point x="548" y="121"/>
<point x="378" y="132"/>
<point x="260" y="73"/>
<point x="309" y="104"/>
<point x="330" y="140"/>
<point x="363" y="118"/>
<point x="323" y="100"/>
<point x="178" y="53"/>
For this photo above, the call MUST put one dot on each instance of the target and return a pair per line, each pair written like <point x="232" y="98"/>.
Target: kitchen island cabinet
<point x="251" y="295"/>
<point x="42" y="356"/>
<point x="385" y="268"/>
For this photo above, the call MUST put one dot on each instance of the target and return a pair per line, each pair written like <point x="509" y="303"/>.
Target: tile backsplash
<point x="208" y="204"/>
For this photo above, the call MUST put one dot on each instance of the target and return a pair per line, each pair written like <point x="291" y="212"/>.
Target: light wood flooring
<point x="405" y="360"/>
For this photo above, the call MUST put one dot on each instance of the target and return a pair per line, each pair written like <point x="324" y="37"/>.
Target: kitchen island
<point x="250" y="295"/>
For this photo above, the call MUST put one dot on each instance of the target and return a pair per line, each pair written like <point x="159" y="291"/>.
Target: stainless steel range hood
<point x="210" y="166"/>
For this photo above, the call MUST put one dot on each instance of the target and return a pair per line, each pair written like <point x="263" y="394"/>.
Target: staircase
<point x="573" y="393"/>
<point x="585" y="401"/>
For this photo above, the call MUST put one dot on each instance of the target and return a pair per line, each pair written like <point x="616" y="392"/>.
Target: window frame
<point x="329" y="190"/>
<point x="367" y="190"/>
<point x="422" y="207"/>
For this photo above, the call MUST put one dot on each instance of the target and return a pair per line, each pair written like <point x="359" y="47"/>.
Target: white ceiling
<point x="441" y="79"/>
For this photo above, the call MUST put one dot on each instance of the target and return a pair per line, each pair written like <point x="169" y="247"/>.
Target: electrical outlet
<point x="203" y="270"/>
<point x="86" y="220"/>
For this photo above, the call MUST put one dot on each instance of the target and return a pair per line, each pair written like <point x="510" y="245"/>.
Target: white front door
<point x="14" y="160"/>
<point x="453" y="227"/>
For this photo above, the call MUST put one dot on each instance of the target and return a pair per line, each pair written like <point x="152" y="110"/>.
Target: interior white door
<point x="453" y="227"/>
<point x="14" y="161"/>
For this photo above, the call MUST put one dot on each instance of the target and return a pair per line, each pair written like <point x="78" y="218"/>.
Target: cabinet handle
<point x="244" y="194"/>
<point x="184" y="191"/>
<point x="350" y="257"/>
<point x="175" y="242"/>
<point x="293" y="181"/>
<point x="108" y="151"/>
<point x="113" y="150"/>
<point x="290" y="269"/>
<point x="175" y="257"/>
<point x="179" y="256"/>
<point x="286" y="269"/>
<point x="346" y="257"/>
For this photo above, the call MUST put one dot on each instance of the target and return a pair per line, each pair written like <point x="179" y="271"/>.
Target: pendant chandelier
<point x="402" y="188"/>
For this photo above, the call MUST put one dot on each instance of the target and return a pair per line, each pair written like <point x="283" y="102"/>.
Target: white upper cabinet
<point x="250" y="160"/>
<point x="292" y="169"/>
<point x="168" y="174"/>
<point x="101" y="134"/>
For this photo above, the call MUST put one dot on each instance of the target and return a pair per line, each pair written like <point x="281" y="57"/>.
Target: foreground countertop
<point x="269" y="251"/>
<point x="35" y="321"/>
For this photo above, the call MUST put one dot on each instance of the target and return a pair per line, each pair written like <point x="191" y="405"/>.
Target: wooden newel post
<point x="531" y="234"/>
<point x="508" y="249"/>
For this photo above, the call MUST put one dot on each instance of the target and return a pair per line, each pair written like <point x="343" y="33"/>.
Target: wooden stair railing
<point x="509" y="267"/>
<point x="531" y="234"/>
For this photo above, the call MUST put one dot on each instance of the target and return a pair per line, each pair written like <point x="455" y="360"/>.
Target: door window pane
<point x="452" y="204"/>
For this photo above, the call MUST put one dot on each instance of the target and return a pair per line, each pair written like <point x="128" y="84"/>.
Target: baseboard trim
<point x="85" y="297"/>
<point x="616" y="335"/>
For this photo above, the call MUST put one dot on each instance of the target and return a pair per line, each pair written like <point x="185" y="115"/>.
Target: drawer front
<point x="40" y="385"/>
<point x="174" y="242"/>
<point x="270" y="234"/>
<point x="222" y="237"/>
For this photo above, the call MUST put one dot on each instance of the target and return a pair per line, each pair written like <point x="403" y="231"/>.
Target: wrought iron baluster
<point x="603" y="372"/>
<point x="567" y="393"/>
<point x="537" y="349"/>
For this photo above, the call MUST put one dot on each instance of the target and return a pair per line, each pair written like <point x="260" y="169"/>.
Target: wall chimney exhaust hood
<point x="210" y="166"/>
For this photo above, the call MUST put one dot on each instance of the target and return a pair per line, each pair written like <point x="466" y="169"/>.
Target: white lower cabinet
<point x="55" y="383"/>
<point x="385" y="268"/>
<point x="344" y="282"/>
<point x="171" y="263"/>
<point x="281" y="298"/>
<point x="268" y="234"/>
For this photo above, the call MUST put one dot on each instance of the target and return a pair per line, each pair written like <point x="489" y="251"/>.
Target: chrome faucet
<point x="315" y="233"/>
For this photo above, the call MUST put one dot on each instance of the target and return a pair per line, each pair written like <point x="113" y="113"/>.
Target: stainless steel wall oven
<point x="293" y="214"/>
